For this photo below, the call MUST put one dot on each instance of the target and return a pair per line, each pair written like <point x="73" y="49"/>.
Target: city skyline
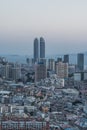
<point x="61" y="23"/>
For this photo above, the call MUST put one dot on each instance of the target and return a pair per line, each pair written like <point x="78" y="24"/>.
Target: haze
<point x="62" y="23"/>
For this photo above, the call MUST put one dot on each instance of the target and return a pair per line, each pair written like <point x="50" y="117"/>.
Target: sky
<point x="62" y="23"/>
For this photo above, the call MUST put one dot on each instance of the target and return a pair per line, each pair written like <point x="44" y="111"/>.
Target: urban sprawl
<point x="43" y="94"/>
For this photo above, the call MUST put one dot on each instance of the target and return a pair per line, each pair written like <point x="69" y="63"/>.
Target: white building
<point x="62" y="70"/>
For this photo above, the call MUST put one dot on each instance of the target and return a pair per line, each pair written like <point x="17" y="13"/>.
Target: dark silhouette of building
<point x="36" y="49"/>
<point x="66" y="58"/>
<point x="59" y="59"/>
<point x="42" y="48"/>
<point x="80" y="61"/>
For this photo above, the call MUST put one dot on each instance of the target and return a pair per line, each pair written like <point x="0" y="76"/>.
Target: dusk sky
<point x="62" y="23"/>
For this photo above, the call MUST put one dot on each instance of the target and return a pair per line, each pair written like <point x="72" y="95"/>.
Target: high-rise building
<point x="36" y="49"/>
<point x="40" y="71"/>
<point x="39" y="49"/>
<point x="59" y="59"/>
<point x="42" y="48"/>
<point x="43" y="61"/>
<point x="51" y="64"/>
<point x="16" y="72"/>
<point x="7" y="71"/>
<point x="62" y="69"/>
<point x="80" y="61"/>
<point x="11" y="71"/>
<point x="66" y="59"/>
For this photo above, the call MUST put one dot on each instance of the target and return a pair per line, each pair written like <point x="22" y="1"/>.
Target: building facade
<point x="40" y="72"/>
<point x="36" y="49"/>
<point x="23" y="124"/>
<point x="80" y="61"/>
<point x="66" y="59"/>
<point x="62" y="70"/>
<point x="42" y="47"/>
<point x="51" y="64"/>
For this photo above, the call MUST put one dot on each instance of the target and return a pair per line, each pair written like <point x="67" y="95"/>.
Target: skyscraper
<point x="66" y="58"/>
<point x="62" y="69"/>
<point x="59" y="59"/>
<point x="36" y="49"/>
<point x="40" y="71"/>
<point x="51" y="64"/>
<point x="80" y="61"/>
<point x="42" y="48"/>
<point x="16" y="72"/>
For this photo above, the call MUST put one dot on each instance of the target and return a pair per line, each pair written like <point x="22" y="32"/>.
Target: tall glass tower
<point x="66" y="58"/>
<point x="36" y="49"/>
<point x="80" y="61"/>
<point x="42" y="47"/>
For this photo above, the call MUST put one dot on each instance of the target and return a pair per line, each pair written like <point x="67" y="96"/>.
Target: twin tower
<point x="39" y="49"/>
